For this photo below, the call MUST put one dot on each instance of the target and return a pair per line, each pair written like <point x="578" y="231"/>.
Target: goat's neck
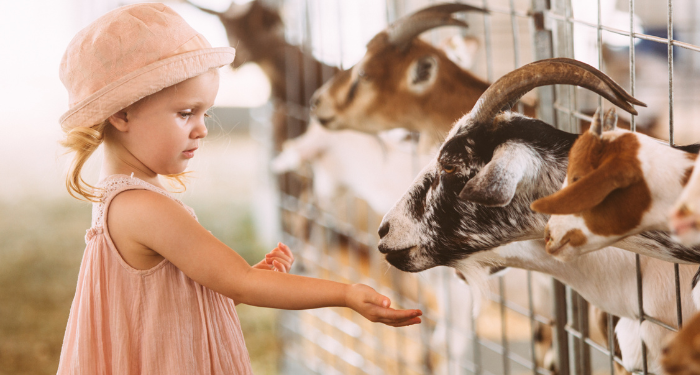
<point x="605" y="278"/>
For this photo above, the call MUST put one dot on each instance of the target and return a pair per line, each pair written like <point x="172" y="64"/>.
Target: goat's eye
<point x="449" y="169"/>
<point x="362" y="75"/>
<point x="575" y="178"/>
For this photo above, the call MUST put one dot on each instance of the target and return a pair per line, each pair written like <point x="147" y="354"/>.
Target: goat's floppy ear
<point x="589" y="191"/>
<point x="422" y="73"/>
<point x="497" y="181"/>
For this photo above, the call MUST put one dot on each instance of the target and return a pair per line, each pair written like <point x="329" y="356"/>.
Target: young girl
<point x="156" y="290"/>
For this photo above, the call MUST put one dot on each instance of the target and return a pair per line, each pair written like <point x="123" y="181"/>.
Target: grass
<point x="41" y="246"/>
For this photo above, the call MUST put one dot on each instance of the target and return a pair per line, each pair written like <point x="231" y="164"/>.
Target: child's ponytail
<point x="83" y="141"/>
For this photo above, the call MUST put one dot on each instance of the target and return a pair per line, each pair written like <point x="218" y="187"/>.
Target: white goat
<point x="376" y="169"/>
<point x="618" y="184"/>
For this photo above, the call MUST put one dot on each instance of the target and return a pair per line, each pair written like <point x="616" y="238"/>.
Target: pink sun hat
<point x="130" y="53"/>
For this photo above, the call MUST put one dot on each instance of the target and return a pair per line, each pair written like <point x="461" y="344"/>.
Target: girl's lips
<point x="189" y="154"/>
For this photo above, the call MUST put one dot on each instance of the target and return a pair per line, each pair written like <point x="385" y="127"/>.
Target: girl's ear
<point x="120" y="121"/>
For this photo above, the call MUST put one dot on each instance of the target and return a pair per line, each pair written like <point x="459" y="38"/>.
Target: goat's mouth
<point x="403" y="260"/>
<point x="554" y="248"/>
<point x="325" y="121"/>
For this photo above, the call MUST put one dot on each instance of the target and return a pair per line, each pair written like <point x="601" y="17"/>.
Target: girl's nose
<point x="200" y="130"/>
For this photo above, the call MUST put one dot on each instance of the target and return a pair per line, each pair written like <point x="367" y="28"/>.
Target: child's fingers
<point x="285" y="249"/>
<point x="271" y="258"/>
<point x="278" y="266"/>
<point x="398" y="315"/>
<point x="378" y="299"/>
<point x="405" y="323"/>
<point x="278" y="254"/>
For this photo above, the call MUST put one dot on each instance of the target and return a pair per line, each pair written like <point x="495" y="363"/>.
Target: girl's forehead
<point x="199" y="90"/>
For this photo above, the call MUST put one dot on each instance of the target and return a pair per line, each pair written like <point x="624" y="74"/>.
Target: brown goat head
<point x="252" y="28"/>
<point x="604" y="180"/>
<point x="401" y="81"/>
<point x="681" y="356"/>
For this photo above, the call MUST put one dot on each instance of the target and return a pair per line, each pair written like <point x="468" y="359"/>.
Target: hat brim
<point x="143" y="82"/>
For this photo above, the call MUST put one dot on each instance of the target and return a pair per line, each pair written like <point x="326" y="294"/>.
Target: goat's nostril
<point x="383" y="229"/>
<point x="315" y="101"/>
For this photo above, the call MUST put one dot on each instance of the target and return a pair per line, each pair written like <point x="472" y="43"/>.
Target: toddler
<point x="156" y="290"/>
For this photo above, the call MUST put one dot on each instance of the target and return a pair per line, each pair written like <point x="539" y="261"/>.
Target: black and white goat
<point x="470" y="208"/>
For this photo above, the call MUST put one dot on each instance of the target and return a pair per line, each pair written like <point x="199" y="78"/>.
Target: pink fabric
<point x="155" y="321"/>
<point x="130" y="53"/>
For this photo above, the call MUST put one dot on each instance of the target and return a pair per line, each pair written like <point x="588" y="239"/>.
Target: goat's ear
<point x="497" y="181"/>
<point x="610" y="120"/>
<point x="589" y="191"/>
<point x="422" y="74"/>
<point x="596" y="127"/>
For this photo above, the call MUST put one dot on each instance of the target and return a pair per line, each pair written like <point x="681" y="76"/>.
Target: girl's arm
<point x="158" y="223"/>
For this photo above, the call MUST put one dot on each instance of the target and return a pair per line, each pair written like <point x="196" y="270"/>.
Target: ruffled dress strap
<point x="111" y="187"/>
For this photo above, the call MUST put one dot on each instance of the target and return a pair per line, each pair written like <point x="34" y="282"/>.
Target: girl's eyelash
<point x="207" y="115"/>
<point x="185" y="114"/>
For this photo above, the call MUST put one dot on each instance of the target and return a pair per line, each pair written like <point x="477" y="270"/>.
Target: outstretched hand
<point x="375" y="307"/>
<point x="280" y="259"/>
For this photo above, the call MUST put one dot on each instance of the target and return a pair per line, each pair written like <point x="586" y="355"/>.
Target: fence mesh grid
<point x="341" y="245"/>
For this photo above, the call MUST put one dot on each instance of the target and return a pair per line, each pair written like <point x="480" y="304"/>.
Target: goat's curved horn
<point x="506" y="91"/>
<point x="401" y="32"/>
<point x="205" y="10"/>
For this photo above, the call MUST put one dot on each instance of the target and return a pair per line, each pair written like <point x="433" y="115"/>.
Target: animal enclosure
<point x="527" y="322"/>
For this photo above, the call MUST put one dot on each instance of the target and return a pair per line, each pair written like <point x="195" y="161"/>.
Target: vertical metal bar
<point x="633" y="122"/>
<point x="611" y="342"/>
<point x="504" y="328"/>
<point x="585" y="351"/>
<point x="670" y="72"/>
<point x="599" y="32"/>
<point x="488" y="46"/>
<point x="561" y="341"/>
<point x="476" y="349"/>
<point x="679" y="308"/>
<point x="640" y="301"/>
<point x="531" y="308"/>
<point x="543" y="50"/>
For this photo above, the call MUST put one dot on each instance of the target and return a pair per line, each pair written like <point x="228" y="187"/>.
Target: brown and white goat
<point x="684" y="220"/>
<point x="403" y="81"/>
<point x="618" y="184"/>
<point x="681" y="356"/>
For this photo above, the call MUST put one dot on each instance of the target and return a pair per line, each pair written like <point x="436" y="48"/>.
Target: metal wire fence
<point x="510" y="335"/>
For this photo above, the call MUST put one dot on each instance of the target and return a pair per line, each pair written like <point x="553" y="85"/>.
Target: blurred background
<point x="237" y="197"/>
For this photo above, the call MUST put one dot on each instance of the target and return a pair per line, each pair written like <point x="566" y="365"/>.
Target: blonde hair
<point x="84" y="141"/>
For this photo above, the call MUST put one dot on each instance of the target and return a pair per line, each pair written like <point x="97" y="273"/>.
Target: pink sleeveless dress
<point x="155" y="321"/>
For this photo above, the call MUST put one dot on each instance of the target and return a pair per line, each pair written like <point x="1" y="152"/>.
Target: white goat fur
<point x="607" y="279"/>
<point x="375" y="168"/>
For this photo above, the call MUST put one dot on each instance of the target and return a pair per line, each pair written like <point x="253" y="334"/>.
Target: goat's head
<point x="476" y="195"/>
<point x="684" y="218"/>
<point x="396" y="82"/>
<point x="681" y="355"/>
<point x="618" y="184"/>
<point x="252" y="28"/>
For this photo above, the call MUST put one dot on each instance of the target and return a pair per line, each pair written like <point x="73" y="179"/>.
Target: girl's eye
<point x="206" y="115"/>
<point x="185" y="114"/>
<point x="449" y="169"/>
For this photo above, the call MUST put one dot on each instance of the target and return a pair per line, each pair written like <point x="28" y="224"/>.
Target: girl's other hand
<point x="375" y="307"/>
<point x="280" y="259"/>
